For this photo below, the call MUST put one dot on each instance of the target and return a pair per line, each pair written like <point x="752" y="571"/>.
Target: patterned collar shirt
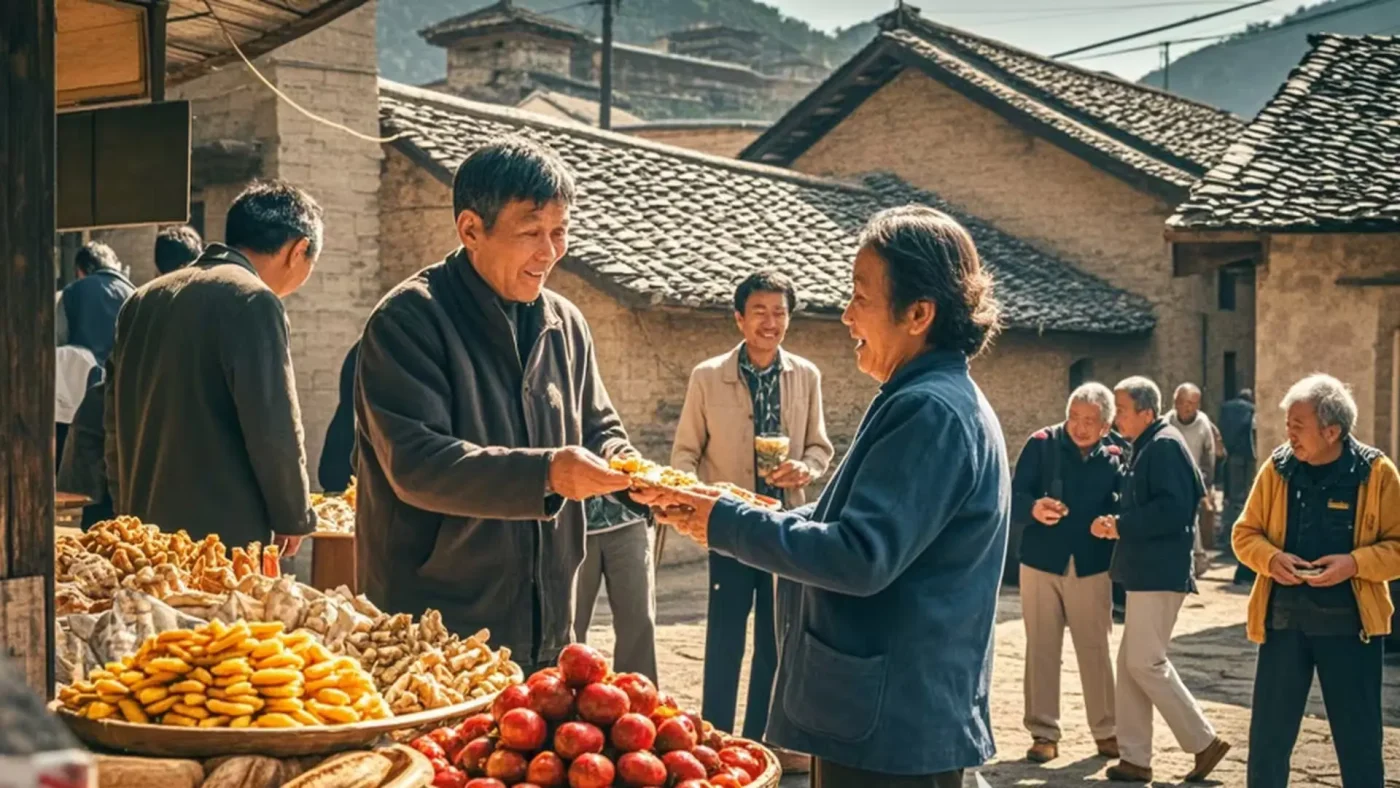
<point x="766" y="392"/>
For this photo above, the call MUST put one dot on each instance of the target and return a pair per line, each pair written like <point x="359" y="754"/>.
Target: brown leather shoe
<point x="1108" y="748"/>
<point x="1042" y="751"/>
<point x="1124" y="772"/>
<point x="1208" y="759"/>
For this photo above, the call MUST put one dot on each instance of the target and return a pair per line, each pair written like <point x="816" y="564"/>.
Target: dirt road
<point x="1209" y="650"/>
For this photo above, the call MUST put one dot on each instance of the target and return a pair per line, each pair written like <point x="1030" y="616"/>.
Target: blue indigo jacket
<point x="886" y="663"/>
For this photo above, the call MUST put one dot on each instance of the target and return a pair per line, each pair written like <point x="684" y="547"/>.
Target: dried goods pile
<point x="579" y="725"/>
<point x="335" y="513"/>
<point x="647" y="473"/>
<point x="238" y="676"/>
<point x="126" y="553"/>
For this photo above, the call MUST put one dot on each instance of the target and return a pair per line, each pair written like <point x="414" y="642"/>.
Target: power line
<point x="568" y="7"/>
<point x="1278" y="28"/>
<point x="1105" y="8"/>
<point x="1160" y="28"/>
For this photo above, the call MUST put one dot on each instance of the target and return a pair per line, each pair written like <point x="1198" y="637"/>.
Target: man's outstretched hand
<point x="577" y="474"/>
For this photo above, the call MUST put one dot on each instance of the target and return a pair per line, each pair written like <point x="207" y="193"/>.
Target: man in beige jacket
<point x="756" y="389"/>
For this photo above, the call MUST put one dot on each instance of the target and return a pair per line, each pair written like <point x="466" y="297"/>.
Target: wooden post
<point x="27" y="339"/>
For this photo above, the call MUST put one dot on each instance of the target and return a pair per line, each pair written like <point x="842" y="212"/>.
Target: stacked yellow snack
<point x="235" y="676"/>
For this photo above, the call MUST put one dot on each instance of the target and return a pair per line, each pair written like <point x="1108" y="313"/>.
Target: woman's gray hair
<point x="1144" y="393"/>
<point x="1330" y="399"/>
<point x="1096" y="394"/>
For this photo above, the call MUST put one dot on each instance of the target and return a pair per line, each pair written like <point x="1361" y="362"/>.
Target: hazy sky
<point x="1049" y="26"/>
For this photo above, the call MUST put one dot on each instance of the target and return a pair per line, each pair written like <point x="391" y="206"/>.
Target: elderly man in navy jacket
<point x="1156" y="533"/>
<point x="1067" y="476"/>
<point x="884" y="676"/>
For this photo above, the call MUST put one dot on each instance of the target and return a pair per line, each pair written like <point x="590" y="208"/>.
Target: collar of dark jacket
<point x="1361" y="456"/>
<point x="1105" y="448"/>
<point x="492" y="308"/>
<point x="923" y="363"/>
<point x="112" y="272"/>
<point x="730" y="368"/>
<point x="1148" y="434"/>
<point x="217" y="253"/>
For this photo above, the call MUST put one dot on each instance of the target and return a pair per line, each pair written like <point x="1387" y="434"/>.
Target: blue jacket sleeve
<point x="897" y="506"/>
<point x="1173" y="495"/>
<point x="1025" y="483"/>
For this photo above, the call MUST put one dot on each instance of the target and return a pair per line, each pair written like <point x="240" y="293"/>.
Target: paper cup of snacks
<point x="770" y="451"/>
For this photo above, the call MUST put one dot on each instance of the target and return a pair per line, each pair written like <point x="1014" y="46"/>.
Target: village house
<point x="502" y="53"/>
<point x="1308" y="198"/>
<point x="1076" y="162"/>
<point x="661" y="235"/>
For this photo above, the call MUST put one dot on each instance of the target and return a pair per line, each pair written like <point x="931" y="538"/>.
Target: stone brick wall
<point x="331" y="72"/>
<point x="1307" y="323"/>
<point x="937" y="139"/>
<point x="718" y="141"/>
<point x="473" y="66"/>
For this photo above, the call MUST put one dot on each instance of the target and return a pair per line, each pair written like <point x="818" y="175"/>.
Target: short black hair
<point x="270" y="214"/>
<point x="95" y="256"/>
<point x="928" y="256"/>
<point x="765" y="281"/>
<point x="177" y="247"/>
<point x="507" y="169"/>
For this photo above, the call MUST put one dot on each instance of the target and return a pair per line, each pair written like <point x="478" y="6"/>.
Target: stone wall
<point x="938" y="139"/>
<point x="1307" y="323"/>
<point x="474" y="66"/>
<point x="331" y="72"/>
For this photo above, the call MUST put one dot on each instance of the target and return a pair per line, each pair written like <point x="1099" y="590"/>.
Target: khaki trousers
<point x="1147" y="679"/>
<point x="1049" y="602"/>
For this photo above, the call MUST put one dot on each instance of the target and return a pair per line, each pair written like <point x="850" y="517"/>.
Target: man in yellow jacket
<point x="1322" y="529"/>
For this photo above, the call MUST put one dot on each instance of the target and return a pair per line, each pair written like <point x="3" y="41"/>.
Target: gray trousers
<point x="623" y="559"/>
<point x="826" y="774"/>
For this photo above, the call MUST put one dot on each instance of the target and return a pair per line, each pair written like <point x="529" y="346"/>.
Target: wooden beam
<point x="27" y="33"/>
<point x="1388" y="279"/>
<point x="1190" y="259"/>
<point x="1186" y="235"/>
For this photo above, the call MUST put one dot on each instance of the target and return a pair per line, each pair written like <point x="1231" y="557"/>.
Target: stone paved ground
<point x="1210" y="651"/>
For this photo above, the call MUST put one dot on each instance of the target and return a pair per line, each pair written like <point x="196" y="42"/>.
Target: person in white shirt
<point x="1199" y="434"/>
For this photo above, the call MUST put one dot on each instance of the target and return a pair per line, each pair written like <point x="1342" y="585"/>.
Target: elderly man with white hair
<point x="1199" y="434"/>
<point x="1155" y="529"/>
<point x="1067" y="476"/>
<point x="1322" y="530"/>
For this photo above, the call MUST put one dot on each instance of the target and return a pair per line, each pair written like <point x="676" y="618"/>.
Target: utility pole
<point x="605" y="101"/>
<point x="1166" y="65"/>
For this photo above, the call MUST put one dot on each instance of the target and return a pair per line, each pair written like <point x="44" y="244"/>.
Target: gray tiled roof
<point x="504" y="14"/>
<point x="1323" y="155"/>
<point x="655" y="224"/>
<point x="1136" y="131"/>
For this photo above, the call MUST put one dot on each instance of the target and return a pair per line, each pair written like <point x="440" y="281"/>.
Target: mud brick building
<point x="661" y="236"/>
<point x="1308" y="197"/>
<point x="502" y="53"/>
<point x="1078" y="163"/>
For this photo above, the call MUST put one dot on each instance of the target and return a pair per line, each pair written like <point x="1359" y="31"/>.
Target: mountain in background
<point x="405" y="57"/>
<point x="1243" y="72"/>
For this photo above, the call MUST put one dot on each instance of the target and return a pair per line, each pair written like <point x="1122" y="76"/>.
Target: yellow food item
<point x="237" y="689"/>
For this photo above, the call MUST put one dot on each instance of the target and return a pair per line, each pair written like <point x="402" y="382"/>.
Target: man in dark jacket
<point x="1237" y="430"/>
<point x="334" y="470"/>
<point x="87" y="310"/>
<point x="481" y="419"/>
<point x="1067" y="476"/>
<point x="203" y="429"/>
<point x="1155" y="529"/>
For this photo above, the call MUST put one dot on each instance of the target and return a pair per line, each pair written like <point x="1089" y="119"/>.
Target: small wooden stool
<point x="333" y="561"/>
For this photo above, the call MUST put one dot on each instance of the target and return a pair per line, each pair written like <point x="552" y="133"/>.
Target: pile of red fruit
<point x="581" y="726"/>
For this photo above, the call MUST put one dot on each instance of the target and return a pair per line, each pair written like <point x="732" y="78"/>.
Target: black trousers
<point x="826" y="774"/>
<point x="1350" y="672"/>
<point x="735" y="589"/>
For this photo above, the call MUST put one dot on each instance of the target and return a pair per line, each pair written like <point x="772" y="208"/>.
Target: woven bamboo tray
<point x="772" y="772"/>
<point x="173" y="741"/>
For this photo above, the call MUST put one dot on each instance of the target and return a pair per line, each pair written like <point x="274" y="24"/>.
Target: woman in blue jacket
<point x="884" y="674"/>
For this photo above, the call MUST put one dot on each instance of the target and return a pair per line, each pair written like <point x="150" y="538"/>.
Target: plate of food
<point x="646" y="473"/>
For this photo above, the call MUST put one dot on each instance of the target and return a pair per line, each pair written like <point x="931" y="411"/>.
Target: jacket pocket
<point x="833" y="694"/>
